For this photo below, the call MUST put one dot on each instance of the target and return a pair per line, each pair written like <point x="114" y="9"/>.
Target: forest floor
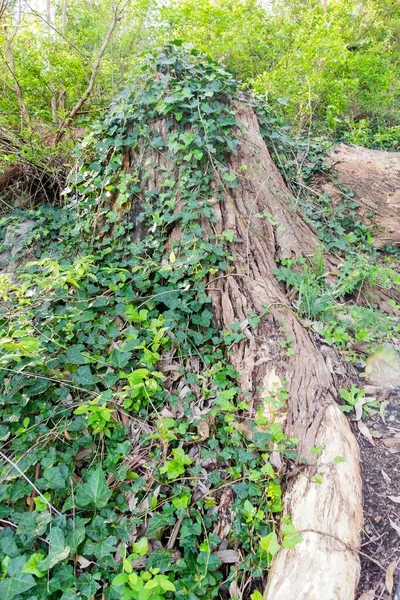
<point x="381" y="489"/>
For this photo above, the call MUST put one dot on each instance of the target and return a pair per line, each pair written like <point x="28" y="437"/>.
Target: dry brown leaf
<point x="228" y="556"/>
<point x="139" y="563"/>
<point x="372" y="390"/>
<point x="392" y="444"/>
<point x="234" y="591"/>
<point x="275" y="459"/>
<point x="172" y="367"/>
<point x="395" y="499"/>
<point x="395" y="527"/>
<point x="30" y="502"/>
<point x="244" y="324"/>
<point x="167" y="413"/>
<point x="203" y="430"/>
<point x="184" y="392"/>
<point x="83" y="454"/>
<point x="389" y="579"/>
<point x="132" y="501"/>
<point x="358" y="407"/>
<point x="83" y="562"/>
<point x="370" y="595"/>
<point x="365" y="432"/>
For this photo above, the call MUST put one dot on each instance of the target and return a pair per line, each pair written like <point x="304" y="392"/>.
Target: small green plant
<point x="353" y="397"/>
<point x="145" y="584"/>
<point x="142" y="388"/>
<point x="341" y="321"/>
<point x="177" y="465"/>
<point x="98" y="414"/>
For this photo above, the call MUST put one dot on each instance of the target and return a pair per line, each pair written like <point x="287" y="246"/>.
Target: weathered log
<point x="328" y="514"/>
<point x="374" y="178"/>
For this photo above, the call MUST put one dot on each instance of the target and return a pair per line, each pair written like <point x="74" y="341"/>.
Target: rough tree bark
<point x="328" y="514"/>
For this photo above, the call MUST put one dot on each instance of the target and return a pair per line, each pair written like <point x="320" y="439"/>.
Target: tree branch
<point x="60" y="33"/>
<point x="117" y="13"/>
<point x="10" y="64"/>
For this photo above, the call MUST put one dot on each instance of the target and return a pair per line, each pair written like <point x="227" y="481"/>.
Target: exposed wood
<point x="374" y="178"/>
<point x="329" y="516"/>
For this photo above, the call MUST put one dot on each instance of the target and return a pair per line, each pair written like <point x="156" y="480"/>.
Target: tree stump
<point x="323" y="495"/>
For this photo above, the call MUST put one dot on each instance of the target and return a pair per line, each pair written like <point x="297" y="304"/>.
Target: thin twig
<point x="39" y="493"/>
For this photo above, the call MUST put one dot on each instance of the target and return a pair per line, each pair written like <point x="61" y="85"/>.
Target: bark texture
<point x="374" y="177"/>
<point x="328" y="514"/>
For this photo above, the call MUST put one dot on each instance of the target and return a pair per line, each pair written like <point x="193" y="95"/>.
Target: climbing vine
<point x="130" y="467"/>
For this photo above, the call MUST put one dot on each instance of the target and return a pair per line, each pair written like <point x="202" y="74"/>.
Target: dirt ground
<point x="380" y="463"/>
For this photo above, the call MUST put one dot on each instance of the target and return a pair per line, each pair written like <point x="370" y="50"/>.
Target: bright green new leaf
<point x="31" y="566"/>
<point x="270" y="543"/>
<point x="120" y="579"/>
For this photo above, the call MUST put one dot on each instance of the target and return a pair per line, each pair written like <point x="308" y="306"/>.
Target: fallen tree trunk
<point x="323" y="495"/>
<point x="373" y="176"/>
<point x="328" y="514"/>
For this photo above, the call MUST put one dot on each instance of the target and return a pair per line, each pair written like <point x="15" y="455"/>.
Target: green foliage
<point x="54" y="58"/>
<point x="331" y="67"/>
<point x="323" y="299"/>
<point x="355" y="396"/>
<point x="143" y="585"/>
<point x="116" y="446"/>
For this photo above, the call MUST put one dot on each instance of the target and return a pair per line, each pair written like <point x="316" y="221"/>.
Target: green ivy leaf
<point x="16" y="582"/>
<point x="87" y="585"/>
<point x="94" y="492"/>
<point x="157" y="523"/>
<point x="162" y="559"/>
<point x="58" y="549"/>
<point x="100" y="549"/>
<point x="270" y="543"/>
<point x="70" y="594"/>
<point x="32" y="565"/>
<point x="119" y="359"/>
<point x="290" y="535"/>
<point x="74" y="355"/>
<point x="83" y="377"/>
<point x="75" y="538"/>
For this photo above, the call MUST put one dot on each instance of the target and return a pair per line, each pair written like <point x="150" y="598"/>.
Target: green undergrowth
<point x="129" y="465"/>
<point x="341" y="307"/>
